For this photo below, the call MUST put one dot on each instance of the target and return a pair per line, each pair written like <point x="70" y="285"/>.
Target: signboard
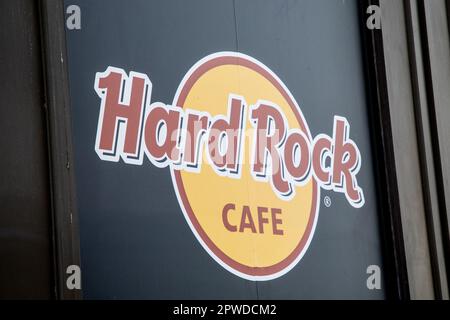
<point x="222" y="150"/>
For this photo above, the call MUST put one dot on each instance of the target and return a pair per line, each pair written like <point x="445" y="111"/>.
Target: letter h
<point x="120" y="123"/>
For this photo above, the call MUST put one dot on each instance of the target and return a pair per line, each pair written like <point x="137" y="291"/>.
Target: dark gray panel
<point x="314" y="47"/>
<point x="25" y="225"/>
<point x="406" y="151"/>
<point x="135" y="242"/>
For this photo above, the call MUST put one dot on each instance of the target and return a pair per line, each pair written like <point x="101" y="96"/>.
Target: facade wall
<point x="407" y="68"/>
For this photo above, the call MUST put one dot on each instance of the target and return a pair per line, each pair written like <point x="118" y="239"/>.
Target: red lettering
<point x="197" y="126"/>
<point x="122" y="105"/>
<point x="160" y="119"/>
<point x="346" y="162"/>
<point x="276" y="221"/>
<point x="282" y="156"/>
<point x="297" y="142"/>
<point x="268" y="139"/>
<point x="247" y="221"/>
<point x="225" y="220"/>
<point x="246" y="216"/>
<point x="322" y="150"/>
<point x="261" y="219"/>
<point x="230" y="131"/>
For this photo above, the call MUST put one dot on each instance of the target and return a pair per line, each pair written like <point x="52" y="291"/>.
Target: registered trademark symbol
<point x="327" y="201"/>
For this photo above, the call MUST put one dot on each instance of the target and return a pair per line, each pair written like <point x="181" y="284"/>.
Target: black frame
<point x="62" y="179"/>
<point x="65" y="220"/>
<point x="396" y="277"/>
<point x="430" y="91"/>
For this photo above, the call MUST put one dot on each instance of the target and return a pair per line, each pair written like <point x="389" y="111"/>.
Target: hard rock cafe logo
<point x="245" y="168"/>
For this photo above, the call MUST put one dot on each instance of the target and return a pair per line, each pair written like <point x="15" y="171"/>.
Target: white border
<point x="180" y="201"/>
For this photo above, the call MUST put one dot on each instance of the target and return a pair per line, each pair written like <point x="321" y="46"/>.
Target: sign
<point x="256" y="231"/>
<point x="222" y="150"/>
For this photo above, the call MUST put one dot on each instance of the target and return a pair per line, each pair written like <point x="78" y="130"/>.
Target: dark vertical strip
<point x="434" y="133"/>
<point x="395" y="271"/>
<point x="26" y="266"/>
<point x="444" y="215"/>
<point x="447" y="6"/>
<point x="65" y="222"/>
<point x="422" y="152"/>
